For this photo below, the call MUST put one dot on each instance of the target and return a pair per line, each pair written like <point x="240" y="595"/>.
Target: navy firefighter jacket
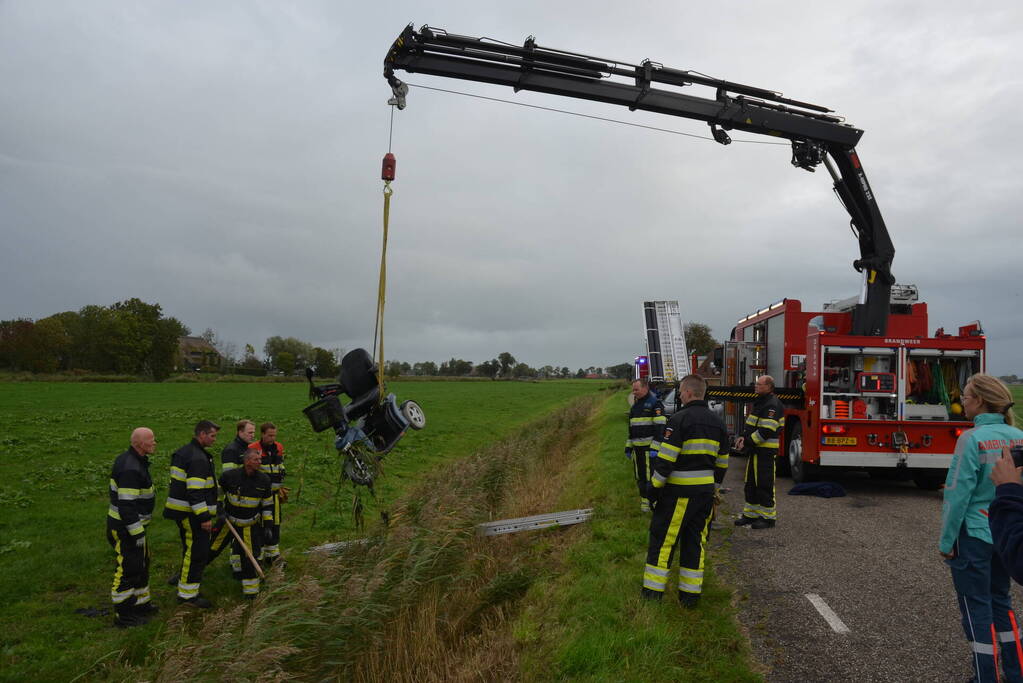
<point x="646" y="423"/>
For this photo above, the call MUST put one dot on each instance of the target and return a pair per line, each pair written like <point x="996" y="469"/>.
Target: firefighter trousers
<point x="195" y="552"/>
<point x="253" y="537"/>
<point x="131" y="578"/>
<point x="678" y="524"/>
<point x="641" y="470"/>
<point x="759" y="489"/>
<point x="982" y="589"/>
<point x="221" y="538"/>
<point x="272" y="549"/>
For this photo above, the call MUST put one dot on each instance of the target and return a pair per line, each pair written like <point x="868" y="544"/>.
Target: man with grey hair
<point x="759" y="441"/>
<point x="130" y="511"/>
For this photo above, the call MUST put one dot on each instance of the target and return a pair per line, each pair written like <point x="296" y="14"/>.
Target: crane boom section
<point x="814" y="131"/>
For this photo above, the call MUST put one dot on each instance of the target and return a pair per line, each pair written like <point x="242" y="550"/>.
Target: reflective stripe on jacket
<point x="248" y="498"/>
<point x="273" y="462"/>
<point x="233" y="454"/>
<point x="968" y="486"/>
<point x="192" y="491"/>
<point x="763" y="423"/>
<point x="131" y="492"/>
<point x="646" y="422"/>
<point x="693" y="454"/>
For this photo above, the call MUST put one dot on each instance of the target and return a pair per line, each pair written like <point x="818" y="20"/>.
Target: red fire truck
<point x="853" y="401"/>
<point x="865" y="384"/>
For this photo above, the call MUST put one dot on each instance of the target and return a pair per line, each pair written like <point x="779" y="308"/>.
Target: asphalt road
<point x="872" y="558"/>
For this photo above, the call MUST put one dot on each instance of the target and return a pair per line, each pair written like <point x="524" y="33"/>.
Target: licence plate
<point x="839" y="440"/>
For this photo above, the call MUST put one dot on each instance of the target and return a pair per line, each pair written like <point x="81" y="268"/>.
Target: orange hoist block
<point x="387" y="172"/>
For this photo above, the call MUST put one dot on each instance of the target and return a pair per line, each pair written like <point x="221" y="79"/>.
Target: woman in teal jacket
<point x="980" y="579"/>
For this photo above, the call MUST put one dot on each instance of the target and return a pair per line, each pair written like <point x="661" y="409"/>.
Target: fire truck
<point x="865" y="385"/>
<point x="666" y="359"/>
<point x="890" y="403"/>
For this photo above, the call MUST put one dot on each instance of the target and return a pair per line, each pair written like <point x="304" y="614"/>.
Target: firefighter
<point x="272" y="453"/>
<point x="230" y="458"/>
<point x="979" y="574"/>
<point x="249" y="506"/>
<point x="685" y="473"/>
<point x="759" y="441"/>
<point x="646" y="423"/>
<point x="192" y="504"/>
<point x="130" y="511"/>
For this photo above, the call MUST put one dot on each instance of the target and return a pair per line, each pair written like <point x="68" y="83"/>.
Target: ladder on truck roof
<point x="666" y="349"/>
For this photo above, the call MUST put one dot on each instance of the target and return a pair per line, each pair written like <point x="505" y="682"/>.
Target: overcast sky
<point x="222" y="159"/>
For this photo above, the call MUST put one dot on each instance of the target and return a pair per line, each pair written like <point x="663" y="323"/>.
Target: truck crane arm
<point x="814" y="131"/>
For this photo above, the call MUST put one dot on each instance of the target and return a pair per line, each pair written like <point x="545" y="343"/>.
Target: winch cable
<point x="387" y="175"/>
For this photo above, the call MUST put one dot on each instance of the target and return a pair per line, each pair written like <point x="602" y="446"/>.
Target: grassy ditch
<point x="424" y="600"/>
<point x="60" y="438"/>
<point x="428" y="600"/>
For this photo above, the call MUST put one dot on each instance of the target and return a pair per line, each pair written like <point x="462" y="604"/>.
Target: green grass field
<point x="58" y="443"/>
<point x="582" y="621"/>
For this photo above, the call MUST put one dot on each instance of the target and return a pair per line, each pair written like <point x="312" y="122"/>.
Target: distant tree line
<point x="129" y="337"/>
<point x="133" y="337"/>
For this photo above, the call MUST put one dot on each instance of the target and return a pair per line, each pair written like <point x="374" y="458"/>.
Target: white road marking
<point x="829" y="615"/>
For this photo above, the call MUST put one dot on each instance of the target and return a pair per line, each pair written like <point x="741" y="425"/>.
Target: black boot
<point x="125" y="617"/>
<point x="688" y="600"/>
<point x="744" y="520"/>
<point x="763" y="524"/>
<point x="146" y="610"/>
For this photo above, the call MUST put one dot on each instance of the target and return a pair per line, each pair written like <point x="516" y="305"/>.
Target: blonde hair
<point x="993" y="393"/>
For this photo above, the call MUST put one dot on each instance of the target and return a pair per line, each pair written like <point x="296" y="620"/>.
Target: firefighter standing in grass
<point x="130" y="511"/>
<point x="272" y="453"/>
<point x="759" y="440"/>
<point x="249" y="506"/>
<point x="646" y="423"/>
<point x="192" y="504"/>
<point x="690" y="464"/>
<point x="230" y="458"/>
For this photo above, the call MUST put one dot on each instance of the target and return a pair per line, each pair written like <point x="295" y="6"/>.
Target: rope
<point x="590" y="116"/>
<point x="378" y="334"/>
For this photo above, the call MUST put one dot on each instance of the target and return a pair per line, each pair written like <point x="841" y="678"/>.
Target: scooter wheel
<point x="359" y="470"/>
<point x="414" y="414"/>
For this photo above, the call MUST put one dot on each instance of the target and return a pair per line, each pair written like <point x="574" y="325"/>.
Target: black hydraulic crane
<point x="814" y="131"/>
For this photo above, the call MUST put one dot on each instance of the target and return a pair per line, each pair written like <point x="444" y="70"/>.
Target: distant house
<point x="195" y="353"/>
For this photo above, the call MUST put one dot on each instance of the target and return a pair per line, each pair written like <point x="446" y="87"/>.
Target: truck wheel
<point x="801" y="471"/>
<point x="414" y="414"/>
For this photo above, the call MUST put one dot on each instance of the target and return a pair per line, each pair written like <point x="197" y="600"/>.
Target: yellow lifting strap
<point x="382" y="292"/>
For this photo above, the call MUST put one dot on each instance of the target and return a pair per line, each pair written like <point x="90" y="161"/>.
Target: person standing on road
<point x="130" y="511"/>
<point x="272" y="453"/>
<point x="684" y="474"/>
<point x="249" y="505"/>
<point x="230" y="458"/>
<point x="646" y="423"/>
<point x="759" y="440"/>
<point x="192" y="504"/>
<point x="980" y="578"/>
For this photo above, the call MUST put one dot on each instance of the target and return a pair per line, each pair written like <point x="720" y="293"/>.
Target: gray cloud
<point x="222" y="160"/>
